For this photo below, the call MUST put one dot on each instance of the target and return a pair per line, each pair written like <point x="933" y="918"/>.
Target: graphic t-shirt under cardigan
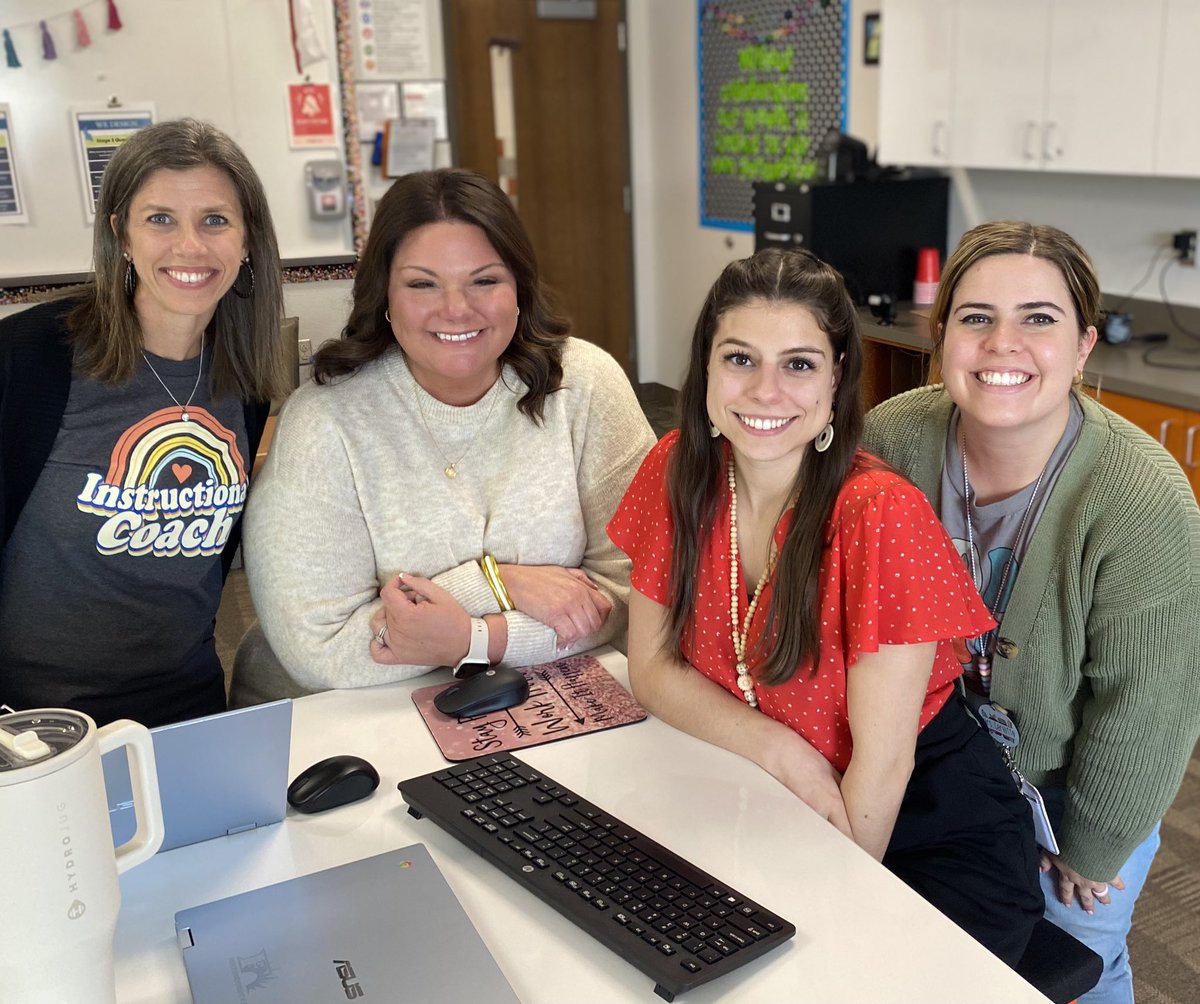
<point x="889" y="576"/>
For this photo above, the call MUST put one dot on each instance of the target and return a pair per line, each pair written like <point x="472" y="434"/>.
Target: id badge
<point x="1041" y="819"/>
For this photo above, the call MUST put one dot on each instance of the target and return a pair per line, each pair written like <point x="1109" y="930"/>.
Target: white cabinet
<point x="1054" y="85"/>
<point x="1177" y="144"/>
<point x="999" y="83"/>
<point x="914" y="107"/>
<point x="1102" y="85"/>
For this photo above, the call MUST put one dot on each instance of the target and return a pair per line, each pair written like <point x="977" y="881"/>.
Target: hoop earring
<point x="246" y="269"/>
<point x="824" y="438"/>
<point x="131" y="279"/>
<point x="388" y="314"/>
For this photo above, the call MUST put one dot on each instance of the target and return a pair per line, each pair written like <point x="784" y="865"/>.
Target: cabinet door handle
<point x="1188" y="461"/>
<point x="1163" y="429"/>
<point x="939" y="138"/>
<point x="1051" y="150"/>
<point x="1027" y="150"/>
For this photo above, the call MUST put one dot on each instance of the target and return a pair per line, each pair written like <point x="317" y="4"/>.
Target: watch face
<point x="467" y="668"/>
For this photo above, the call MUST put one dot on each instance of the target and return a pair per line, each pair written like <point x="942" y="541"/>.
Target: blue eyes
<point x="211" y="220"/>
<point x="1038" y="320"/>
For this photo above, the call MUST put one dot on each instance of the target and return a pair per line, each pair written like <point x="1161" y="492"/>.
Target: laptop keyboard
<point x="678" y="924"/>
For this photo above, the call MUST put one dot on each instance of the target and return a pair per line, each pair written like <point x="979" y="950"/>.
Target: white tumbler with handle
<point x="58" y="869"/>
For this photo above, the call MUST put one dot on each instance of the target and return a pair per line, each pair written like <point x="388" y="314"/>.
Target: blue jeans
<point x="1104" y="931"/>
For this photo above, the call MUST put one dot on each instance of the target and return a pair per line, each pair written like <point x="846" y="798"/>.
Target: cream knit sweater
<point x="353" y="492"/>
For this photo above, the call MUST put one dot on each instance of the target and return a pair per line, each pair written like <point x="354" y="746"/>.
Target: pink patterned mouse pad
<point x="568" y="697"/>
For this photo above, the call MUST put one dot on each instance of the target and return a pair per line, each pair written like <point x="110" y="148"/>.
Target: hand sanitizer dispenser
<point x="326" y="181"/>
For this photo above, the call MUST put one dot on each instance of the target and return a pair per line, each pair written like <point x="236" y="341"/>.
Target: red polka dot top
<point x="889" y="576"/>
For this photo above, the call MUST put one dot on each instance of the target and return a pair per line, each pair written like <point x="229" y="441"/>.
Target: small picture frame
<point x="871" y="39"/>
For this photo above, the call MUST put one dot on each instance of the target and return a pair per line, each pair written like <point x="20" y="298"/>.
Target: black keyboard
<point x="676" y="923"/>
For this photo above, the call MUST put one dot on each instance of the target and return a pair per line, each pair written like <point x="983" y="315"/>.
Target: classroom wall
<point x="676" y="259"/>
<point x="1121" y="221"/>
<point x="226" y="61"/>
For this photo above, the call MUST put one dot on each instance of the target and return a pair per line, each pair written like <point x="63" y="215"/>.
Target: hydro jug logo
<point x="76" y="910"/>
<point x="350" y="985"/>
<point x="258" y="967"/>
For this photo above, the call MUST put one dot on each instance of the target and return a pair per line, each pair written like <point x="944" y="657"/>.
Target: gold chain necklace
<point x="451" y="468"/>
<point x="745" y="681"/>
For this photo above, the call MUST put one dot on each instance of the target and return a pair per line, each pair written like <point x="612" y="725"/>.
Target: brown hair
<point x="249" y="360"/>
<point x="1013" y="237"/>
<point x="452" y="194"/>
<point x="697" y="468"/>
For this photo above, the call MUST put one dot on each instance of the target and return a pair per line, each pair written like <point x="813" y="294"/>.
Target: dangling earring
<point x="130" y="276"/>
<point x="245" y="270"/>
<point x="824" y="438"/>
<point x="714" y="432"/>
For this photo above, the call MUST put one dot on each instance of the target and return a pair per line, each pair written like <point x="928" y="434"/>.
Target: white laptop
<point x="385" y="928"/>
<point x="216" y="775"/>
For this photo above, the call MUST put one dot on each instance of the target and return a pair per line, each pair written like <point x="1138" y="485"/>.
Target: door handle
<point x="939" y="136"/>
<point x="1163" y="429"/>
<point x="1027" y="149"/>
<point x="1051" y="150"/>
<point x="1188" y="460"/>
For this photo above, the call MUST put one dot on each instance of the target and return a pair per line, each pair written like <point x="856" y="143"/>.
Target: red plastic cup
<point x="928" y="272"/>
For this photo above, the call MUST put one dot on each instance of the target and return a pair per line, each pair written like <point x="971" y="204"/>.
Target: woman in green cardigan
<point x="1083" y="537"/>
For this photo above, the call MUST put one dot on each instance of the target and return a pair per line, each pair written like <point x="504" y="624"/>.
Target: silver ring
<point x="379" y="635"/>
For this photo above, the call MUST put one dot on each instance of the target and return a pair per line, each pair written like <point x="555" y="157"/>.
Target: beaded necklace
<point x="745" y="681"/>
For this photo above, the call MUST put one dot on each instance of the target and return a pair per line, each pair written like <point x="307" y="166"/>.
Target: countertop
<point x="1118" y="368"/>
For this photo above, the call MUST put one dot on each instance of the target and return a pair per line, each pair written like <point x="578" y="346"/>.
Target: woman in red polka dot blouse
<point x="798" y="603"/>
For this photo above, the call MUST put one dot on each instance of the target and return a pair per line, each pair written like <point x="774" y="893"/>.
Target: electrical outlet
<point x="305" y="353"/>
<point x="1184" y="243"/>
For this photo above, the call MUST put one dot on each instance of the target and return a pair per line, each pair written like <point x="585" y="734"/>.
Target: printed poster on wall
<point x="100" y="133"/>
<point x="12" y="209"/>
<point x="772" y="86"/>
<point x="311" y="121"/>
<point x="426" y="99"/>
<point x="391" y="39"/>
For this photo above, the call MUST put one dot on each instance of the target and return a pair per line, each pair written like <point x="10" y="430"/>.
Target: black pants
<point x="964" y="836"/>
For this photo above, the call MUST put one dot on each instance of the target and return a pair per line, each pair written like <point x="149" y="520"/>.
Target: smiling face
<point x="453" y="304"/>
<point x="771" y="382"/>
<point x="1013" y="346"/>
<point x="186" y="237"/>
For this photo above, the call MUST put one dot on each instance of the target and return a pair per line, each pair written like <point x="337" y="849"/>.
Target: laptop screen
<point x="216" y="775"/>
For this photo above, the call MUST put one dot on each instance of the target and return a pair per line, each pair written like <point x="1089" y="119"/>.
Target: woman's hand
<point x="808" y="776"/>
<point x="564" y="599"/>
<point x="421" y="623"/>
<point x="1069" y="884"/>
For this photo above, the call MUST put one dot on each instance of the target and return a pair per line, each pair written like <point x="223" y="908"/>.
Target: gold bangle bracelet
<point x="491" y="574"/>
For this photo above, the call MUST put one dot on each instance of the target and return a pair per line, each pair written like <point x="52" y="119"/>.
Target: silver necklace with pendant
<point x="183" y="408"/>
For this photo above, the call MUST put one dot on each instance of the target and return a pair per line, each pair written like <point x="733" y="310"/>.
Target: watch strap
<point x="477" y="651"/>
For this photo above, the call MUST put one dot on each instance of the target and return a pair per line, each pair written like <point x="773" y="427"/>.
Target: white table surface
<point x="862" y="935"/>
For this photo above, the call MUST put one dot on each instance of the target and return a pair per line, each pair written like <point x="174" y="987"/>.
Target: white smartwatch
<point x="476" y="660"/>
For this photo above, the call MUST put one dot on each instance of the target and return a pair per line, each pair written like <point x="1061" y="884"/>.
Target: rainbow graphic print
<point x="172" y="487"/>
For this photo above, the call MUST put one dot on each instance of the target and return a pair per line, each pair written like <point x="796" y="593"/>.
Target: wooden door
<point x="572" y="159"/>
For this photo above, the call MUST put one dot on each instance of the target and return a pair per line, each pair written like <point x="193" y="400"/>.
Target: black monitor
<point x="868" y="230"/>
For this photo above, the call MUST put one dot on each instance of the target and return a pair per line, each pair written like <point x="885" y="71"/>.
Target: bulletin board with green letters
<point x="772" y="84"/>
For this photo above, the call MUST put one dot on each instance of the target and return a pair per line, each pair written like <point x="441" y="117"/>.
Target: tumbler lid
<point x="34" y="737"/>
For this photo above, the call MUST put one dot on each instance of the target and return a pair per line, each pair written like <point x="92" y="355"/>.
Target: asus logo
<point x="350" y="986"/>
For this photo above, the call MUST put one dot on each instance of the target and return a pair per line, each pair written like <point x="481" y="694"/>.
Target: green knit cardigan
<point x="1098" y="659"/>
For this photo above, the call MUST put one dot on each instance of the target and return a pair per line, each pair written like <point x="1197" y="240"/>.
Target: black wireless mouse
<point x="329" y="783"/>
<point x="492" y="690"/>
